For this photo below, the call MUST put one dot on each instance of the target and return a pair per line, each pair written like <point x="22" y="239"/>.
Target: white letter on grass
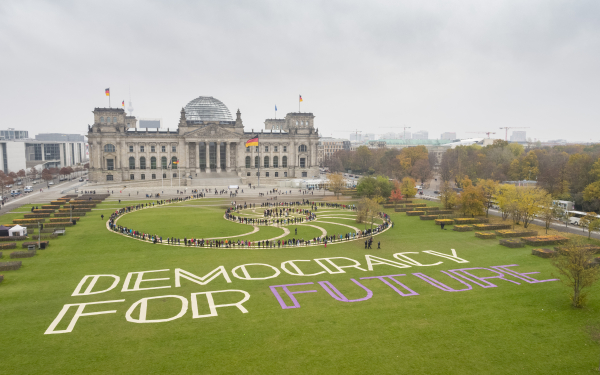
<point x="339" y="268"/>
<point x="377" y="261"/>
<point x="78" y="313"/>
<point x="139" y="279"/>
<point x="299" y="272"/>
<point x="451" y="257"/>
<point x="95" y="278"/>
<point x="213" y="307"/>
<point x="144" y="308"/>
<point x="179" y="274"/>
<point x="401" y="256"/>
<point x="247" y="275"/>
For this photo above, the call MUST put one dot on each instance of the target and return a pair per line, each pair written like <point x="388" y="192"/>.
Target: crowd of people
<point x="282" y="213"/>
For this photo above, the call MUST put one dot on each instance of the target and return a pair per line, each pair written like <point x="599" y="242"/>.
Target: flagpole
<point x="258" y="160"/>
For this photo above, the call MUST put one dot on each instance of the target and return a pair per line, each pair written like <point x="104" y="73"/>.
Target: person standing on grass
<point x="378" y="244"/>
<point x="102" y="216"/>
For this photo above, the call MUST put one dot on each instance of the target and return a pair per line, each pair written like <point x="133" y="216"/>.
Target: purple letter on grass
<point x="289" y="294"/>
<point x="486" y="284"/>
<point x="329" y="288"/>
<point x="522" y="276"/>
<point x="440" y="285"/>
<point x="391" y="277"/>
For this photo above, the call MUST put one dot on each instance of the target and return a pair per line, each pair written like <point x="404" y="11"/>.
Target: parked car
<point x="50" y="183"/>
<point x="28" y="189"/>
<point x="9" y="186"/>
<point x="81" y="179"/>
<point x="436" y="192"/>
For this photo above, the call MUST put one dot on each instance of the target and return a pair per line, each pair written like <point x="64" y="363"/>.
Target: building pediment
<point x="212" y="131"/>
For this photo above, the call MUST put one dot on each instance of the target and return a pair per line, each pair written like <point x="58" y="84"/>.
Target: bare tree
<point x="576" y="270"/>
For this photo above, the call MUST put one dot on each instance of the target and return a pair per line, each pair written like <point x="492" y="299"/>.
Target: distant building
<point x="389" y="135"/>
<point x="13" y="134"/>
<point x="518" y="136"/>
<point x="24" y="154"/>
<point x="58" y="137"/>
<point x="377" y="144"/>
<point x="369" y="137"/>
<point x="329" y="146"/>
<point x="448" y="135"/>
<point x="422" y="134"/>
<point x="356" y="137"/>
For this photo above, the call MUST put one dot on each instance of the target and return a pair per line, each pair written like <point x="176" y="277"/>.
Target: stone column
<point x="197" y="157"/>
<point x="207" y="144"/>
<point x="218" y="151"/>
<point x="227" y="157"/>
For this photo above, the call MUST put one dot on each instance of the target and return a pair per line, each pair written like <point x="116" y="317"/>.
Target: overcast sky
<point x="439" y="66"/>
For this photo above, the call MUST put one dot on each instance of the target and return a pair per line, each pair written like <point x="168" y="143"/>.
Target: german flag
<point x="176" y="161"/>
<point x="107" y="91"/>
<point x="252" y="142"/>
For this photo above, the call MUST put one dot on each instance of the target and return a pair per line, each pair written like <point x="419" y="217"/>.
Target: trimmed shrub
<point x="593" y="248"/>
<point x="62" y="219"/>
<point x="57" y="203"/>
<point x="401" y="209"/>
<point x="75" y="210"/>
<point x="545" y="240"/>
<point x="48" y="236"/>
<point x="43" y="211"/>
<point x="445" y="212"/>
<point x="13" y="238"/>
<point x="29" y="221"/>
<point x="22" y="254"/>
<point x="63" y="214"/>
<point x="444" y="221"/>
<point x="428" y="217"/>
<point x="415" y="213"/>
<point x="34" y="216"/>
<point x="471" y="220"/>
<point x="462" y="228"/>
<point x="26" y="244"/>
<point x="433" y="208"/>
<point x="58" y="224"/>
<point x="543" y="253"/>
<point x="50" y="206"/>
<point x="491" y="226"/>
<point x="10" y="266"/>
<point x="511" y="242"/>
<point x="514" y="233"/>
<point x="485" y="235"/>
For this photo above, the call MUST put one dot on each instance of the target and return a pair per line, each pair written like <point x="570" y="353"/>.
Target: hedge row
<point x="63" y="214"/>
<point x="10" y="266"/>
<point x="462" y="228"/>
<point x="28" y="221"/>
<point x="22" y="254"/>
<point x="67" y="210"/>
<point x="415" y="205"/>
<point x="444" y="221"/>
<point x="13" y="238"/>
<point x="43" y="211"/>
<point x="34" y="216"/>
<point x="415" y="213"/>
<point x="485" y="235"/>
<point x="543" y="253"/>
<point x="428" y="217"/>
<point x="593" y="248"/>
<point x="50" y="206"/>
<point x="26" y="244"/>
<point x="545" y="240"/>
<point x="473" y="220"/>
<point x="61" y="224"/>
<point x="511" y="242"/>
<point x="57" y="203"/>
<point x="442" y="212"/>
<point x="401" y="209"/>
<point x="62" y="219"/>
<point x="11" y="245"/>
<point x="513" y="233"/>
<point x="491" y="226"/>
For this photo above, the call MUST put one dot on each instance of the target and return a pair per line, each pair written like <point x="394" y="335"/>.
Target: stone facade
<point x="120" y="152"/>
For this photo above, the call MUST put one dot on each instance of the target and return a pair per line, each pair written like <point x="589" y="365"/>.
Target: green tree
<point x="488" y="191"/>
<point x="336" y="183"/>
<point x="576" y="270"/>
<point x="368" y="209"/>
<point x="530" y="202"/>
<point x="471" y="200"/>
<point x="504" y="197"/>
<point x="408" y="187"/>
<point x="448" y="196"/>
<point x="366" y="186"/>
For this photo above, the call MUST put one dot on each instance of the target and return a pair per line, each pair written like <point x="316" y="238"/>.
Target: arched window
<point x="163" y="162"/>
<point x="284" y="161"/>
<point x="174" y="162"/>
<point x="266" y="162"/>
<point x="275" y="161"/>
<point x="302" y="148"/>
<point x="256" y="162"/>
<point x="131" y="162"/>
<point x="101" y="119"/>
<point x="109" y="148"/>
<point x="107" y="120"/>
<point x="142" y="162"/>
<point x="114" y="120"/>
<point x="153" y="162"/>
<point x="248" y="162"/>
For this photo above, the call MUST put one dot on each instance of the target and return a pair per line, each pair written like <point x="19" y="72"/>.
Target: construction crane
<point x="398" y="127"/>
<point x="355" y="131"/>
<point x="488" y="133"/>
<point x="512" y="127"/>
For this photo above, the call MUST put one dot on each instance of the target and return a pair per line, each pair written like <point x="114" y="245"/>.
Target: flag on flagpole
<point x="275" y="107"/>
<point x="107" y="92"/>
<point x="252" y="142"/>
<point x="301" y="98"/>
<point x="123" y="103"/>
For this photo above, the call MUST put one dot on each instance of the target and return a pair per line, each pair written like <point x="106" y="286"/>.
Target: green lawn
<point x="508" y="329"/>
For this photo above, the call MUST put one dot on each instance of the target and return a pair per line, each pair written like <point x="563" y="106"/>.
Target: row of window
<point x="301" y="148"/>
<point x="110" y="177"/>
<point x="114" y="120"/>
<point x="163" y="163"/>
<point x="266" y="160"/>
<point x="248" y="174"/>
<point x="112" y="148"/>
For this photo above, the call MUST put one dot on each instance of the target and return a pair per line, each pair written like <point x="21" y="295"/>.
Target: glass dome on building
<point x="207" y="108"/>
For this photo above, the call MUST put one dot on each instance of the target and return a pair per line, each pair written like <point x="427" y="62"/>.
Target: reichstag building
<point x="207" y="143"/>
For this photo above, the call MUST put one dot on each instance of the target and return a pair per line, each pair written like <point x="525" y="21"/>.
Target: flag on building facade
<point x="252" y="142"/>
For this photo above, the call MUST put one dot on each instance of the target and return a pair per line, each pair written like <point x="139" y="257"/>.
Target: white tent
<point x="17" y="230"/>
